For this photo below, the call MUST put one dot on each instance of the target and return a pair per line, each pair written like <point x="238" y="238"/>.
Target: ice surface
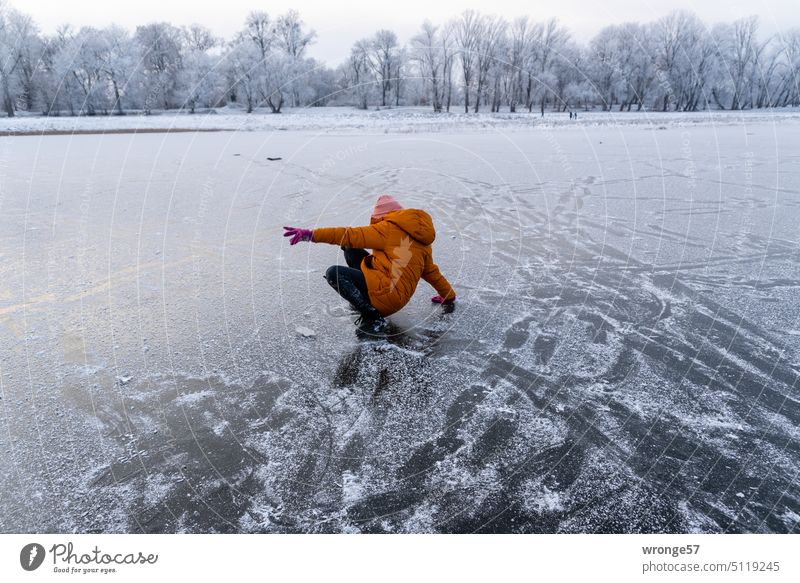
<point x="623" y="355"/>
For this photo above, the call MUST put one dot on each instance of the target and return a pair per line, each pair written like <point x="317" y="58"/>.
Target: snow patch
<point x="305" y="332"/>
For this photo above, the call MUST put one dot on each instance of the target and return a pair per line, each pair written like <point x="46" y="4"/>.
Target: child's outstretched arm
<point x="369" y="237"/>
<point x="433" y="276"/>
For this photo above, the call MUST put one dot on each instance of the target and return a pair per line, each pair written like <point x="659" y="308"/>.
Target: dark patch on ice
<point x="544" y="347"/>
<point x="463" y="406"/>
<point x="494" y="441"/>
<point x="347" y="370"/>
<point x="518" y="333"/>
<point x="383" y="382"/>
<point x="352" y="455"/>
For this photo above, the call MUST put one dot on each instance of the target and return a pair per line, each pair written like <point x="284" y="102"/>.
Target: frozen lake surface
<point x="623" y="357"/>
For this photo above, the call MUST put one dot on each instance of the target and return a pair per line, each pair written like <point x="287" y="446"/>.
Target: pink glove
<point x="441" y="300"/>
<point x="297" y="235"/>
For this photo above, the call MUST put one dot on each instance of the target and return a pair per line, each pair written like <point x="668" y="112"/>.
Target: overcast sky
<point x="339" y="24"/>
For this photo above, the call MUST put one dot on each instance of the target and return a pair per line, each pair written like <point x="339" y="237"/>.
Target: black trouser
<point x="354" y="257"/>
<point x="349" y="281"/>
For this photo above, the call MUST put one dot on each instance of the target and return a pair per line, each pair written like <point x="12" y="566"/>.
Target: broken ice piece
<point x="123" y="380"/>
<point x="305" y="332"/>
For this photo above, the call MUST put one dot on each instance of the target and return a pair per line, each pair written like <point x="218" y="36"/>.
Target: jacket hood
<point x="416" y="222"/>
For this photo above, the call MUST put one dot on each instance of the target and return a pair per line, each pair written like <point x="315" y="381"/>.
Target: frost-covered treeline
<point x="676" y="63"/>
<point x="158" y="66"/>
<point x="474" y="61"/>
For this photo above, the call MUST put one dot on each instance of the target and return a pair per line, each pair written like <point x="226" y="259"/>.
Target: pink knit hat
<point x="385" y="204"/>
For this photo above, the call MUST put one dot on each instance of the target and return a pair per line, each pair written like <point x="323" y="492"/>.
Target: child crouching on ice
<point x="380" y="283"/>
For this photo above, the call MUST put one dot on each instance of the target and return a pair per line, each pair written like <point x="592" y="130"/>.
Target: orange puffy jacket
<point x="401" y="255"/>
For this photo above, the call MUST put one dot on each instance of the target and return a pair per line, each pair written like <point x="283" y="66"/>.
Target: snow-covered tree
<point x="319" y="85"/>
<point x="161" y="47"/>
<point x="258" y="29"/>
<point x="292" y="39"/>
<point x="603" y="71"/>
<point x="567" y="75"/>
<point x="266" y="61"/>
<point x="633" y="59"/>
<point x="291" y="36"/>
<point x="383" y="58"/>
<point x="118" y="59"/>
<point x="671" y="37"/>
<point x="29" y="49"/>
<point x="201" y="77"/>
<point x="738" y="52"/>
<point x="696" y="62"/>
<point x="16" y="30"/>
<point x="243" y="61"/>
<point x="490" y="32"/>
<point x="279" y="73"/>
<point x="357" y="73"/>
<point x="490" y="39"/>
<point x="547" y="47"/>
<point x="466" y="33"/>
<point x="787" y="91"/>
<point x="427" y="54"/>
<point x="448" y="61"/>
<point x="518" y="56"/>
<point x="79" y="64"/>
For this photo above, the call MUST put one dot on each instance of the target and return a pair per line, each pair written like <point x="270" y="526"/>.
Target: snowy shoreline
<point x="402" y="120"/>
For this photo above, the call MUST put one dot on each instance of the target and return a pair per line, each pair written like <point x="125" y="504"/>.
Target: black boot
<point x="372" y="324"/>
